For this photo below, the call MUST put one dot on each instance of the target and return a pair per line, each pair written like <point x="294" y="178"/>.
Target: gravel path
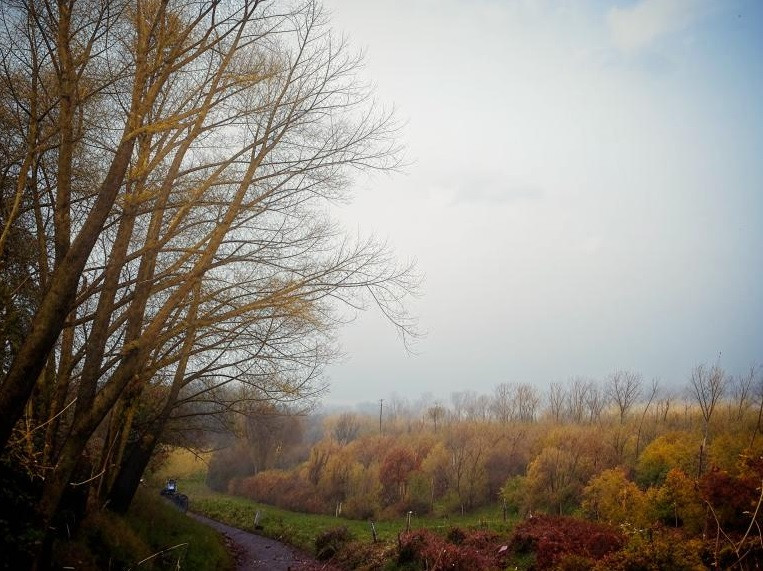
<point x="255" y="552"/>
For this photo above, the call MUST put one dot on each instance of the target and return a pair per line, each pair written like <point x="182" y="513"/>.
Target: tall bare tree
<point x="503" y="402"/>
<point x="707" y="386"/>
<point x="624" y="389"/>
<point x="556" y="400"/>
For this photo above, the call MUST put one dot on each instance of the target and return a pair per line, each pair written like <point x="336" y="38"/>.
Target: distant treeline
<point x="621" y="451"/>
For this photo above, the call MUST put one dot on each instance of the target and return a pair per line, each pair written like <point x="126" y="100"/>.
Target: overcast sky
<point x="585" y="195"/>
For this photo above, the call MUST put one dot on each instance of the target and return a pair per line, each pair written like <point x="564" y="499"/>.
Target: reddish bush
<point x="472" y="550"/>
<point x="733" y="498"/>
<point x="283" y="489"/>
<point x="552" y="538"/>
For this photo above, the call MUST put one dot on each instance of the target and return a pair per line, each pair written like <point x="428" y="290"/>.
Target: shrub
<point x="553" y="538"/>
<point x="456" y="535"/>
<point x="474" y="550"/>
<point x="283" y="489"/>
<point x="659" y="548"/>
<point x="362" y="507"/>
<point x="733" y="499"/>
<point x="330" y="542"/>
<point x="363" y="555"/>
<point x="672" y="450"/>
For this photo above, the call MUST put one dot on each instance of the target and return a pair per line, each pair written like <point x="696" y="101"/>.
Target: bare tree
<point x="664" y="404"/>
<point x="93" y="33"/>
<point x="503" y="402"/>
<point x="459" y="400"/>
<point x="595" y="400"/>
<point x="527" y="400"/>
<point x="577" y="393"/>
<point x="742" y="388"/>
<point x="653" y="390"/>
<point x="758" y="395"/>
<point x="707" y="386"/>
<point x="436" y="413"/>
<point x="477" y="406"/>
<point x="624" y="389"/>
<point x="556" y="400"/>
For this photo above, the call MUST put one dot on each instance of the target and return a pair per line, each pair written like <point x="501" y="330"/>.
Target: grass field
<point x="301" y="529"/>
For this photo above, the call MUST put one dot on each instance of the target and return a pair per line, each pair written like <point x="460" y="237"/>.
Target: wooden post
<point x="373" y="530"/>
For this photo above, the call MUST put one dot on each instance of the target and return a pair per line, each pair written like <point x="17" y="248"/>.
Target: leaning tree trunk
<point x="57" y="302"/>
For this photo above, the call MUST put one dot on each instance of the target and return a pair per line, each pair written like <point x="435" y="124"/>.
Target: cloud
<point x="640" y="26"/>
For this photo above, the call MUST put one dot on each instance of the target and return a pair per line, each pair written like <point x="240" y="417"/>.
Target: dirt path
<point x="254" y="552"/>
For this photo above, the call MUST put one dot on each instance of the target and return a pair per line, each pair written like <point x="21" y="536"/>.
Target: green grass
<point x="154" y="535"/>
<point x="301" y="529"/>
<point x="163" y="526"/>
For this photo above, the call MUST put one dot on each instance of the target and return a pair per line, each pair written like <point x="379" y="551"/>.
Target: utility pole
<point x="381" y="408"/>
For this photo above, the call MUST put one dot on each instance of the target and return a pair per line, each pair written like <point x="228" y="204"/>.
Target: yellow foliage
<point x="613" y="498"/>
<point x="671" y="450"/>
<point x="183" y="464"/>
<point x="677" y="502"/>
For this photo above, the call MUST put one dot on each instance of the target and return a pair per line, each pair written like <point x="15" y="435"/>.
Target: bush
<point x="552" y="538"/>
<point x="456" y="535"/>
<point x="734" y="498"/>
<point x="283" y="489"/>
<point x="363" y="555"/>
<point x="331" y="541"/>
<point x="474" y="550"/>
<point x="111" y="539"/>
<point x="361" y="507"/>
<point x="659" y="548"/>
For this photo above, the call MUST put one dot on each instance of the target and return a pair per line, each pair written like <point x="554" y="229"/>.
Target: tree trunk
<point x="130" y="472"/>
<point x="49" y="320"/>
<point x="134" y="463"/>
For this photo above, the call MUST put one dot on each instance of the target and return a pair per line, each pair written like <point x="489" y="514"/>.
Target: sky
<point x="584" y="191"/>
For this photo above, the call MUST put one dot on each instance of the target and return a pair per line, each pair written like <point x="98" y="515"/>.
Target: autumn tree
<point x="555" y="480"/>
<point x="436" y="414"/>
<point x="611" y="497"/>
<point x="396" y="468"/>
